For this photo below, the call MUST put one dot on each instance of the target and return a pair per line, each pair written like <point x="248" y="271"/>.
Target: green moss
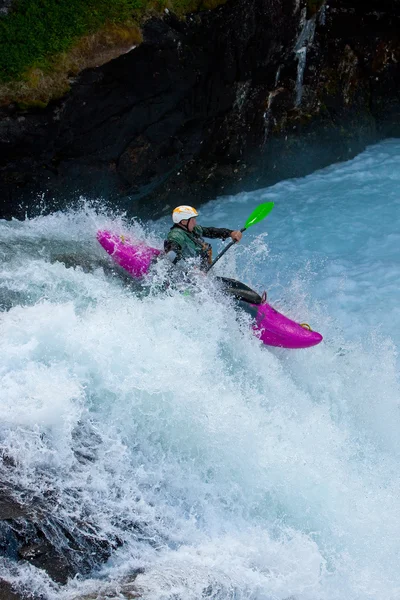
<point x="33" y="104"/>
<point x="34" y="32"/>
<point x="331" y="85"/>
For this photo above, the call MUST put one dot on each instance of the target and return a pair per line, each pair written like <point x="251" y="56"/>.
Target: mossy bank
<point x="45" y="43"/>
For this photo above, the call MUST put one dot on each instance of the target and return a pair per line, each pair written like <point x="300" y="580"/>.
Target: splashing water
<point x="213" y="466"/>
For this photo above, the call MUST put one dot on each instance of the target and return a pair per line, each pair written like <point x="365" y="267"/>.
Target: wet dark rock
<point x="10" y="592"/>
<point x="21" y="538"/>
<point x="34" y="535"/>
<point x="35" y="529"/>
<point x="212" y="105"/>
<point x="31" y="531"/>
<point x="9" y="508"/>
<point x="7" y="592"/>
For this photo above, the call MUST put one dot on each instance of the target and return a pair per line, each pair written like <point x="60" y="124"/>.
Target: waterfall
<point x="304" y="40"/>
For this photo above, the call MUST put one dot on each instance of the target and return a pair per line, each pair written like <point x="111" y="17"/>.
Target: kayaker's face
<point x="190" y="224"/>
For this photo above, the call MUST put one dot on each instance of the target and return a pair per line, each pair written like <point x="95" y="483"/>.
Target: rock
<point x="33" y="528"/>
<point x="32" y="533"/>
<point x="7" y="592"/>
<point x="9" y="509"/>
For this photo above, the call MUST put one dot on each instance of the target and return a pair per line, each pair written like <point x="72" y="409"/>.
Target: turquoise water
<point x="227" y="470"/>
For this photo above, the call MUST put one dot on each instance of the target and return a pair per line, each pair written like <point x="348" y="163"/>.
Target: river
<point x="218" y="468"/>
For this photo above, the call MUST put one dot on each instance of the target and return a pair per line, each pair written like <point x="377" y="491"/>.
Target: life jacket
<point x="192" y="244"/>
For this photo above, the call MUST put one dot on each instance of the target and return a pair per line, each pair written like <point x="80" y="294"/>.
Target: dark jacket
<point x="187" y="244"/>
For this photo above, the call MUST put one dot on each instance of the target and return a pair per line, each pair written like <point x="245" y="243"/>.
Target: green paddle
<point x="256" y="216"/>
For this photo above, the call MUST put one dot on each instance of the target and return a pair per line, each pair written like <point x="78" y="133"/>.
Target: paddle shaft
<point x="220" y="255"/>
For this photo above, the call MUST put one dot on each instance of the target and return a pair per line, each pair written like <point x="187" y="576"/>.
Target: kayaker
<point x="185" y="238"/>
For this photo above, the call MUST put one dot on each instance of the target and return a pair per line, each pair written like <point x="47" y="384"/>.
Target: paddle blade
<point x="259" y="214"/>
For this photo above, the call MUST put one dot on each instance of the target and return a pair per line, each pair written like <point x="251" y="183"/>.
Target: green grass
<point x="35" y="32"/>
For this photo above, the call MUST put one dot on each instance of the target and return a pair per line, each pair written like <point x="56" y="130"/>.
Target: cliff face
<point x="233" y="99"/>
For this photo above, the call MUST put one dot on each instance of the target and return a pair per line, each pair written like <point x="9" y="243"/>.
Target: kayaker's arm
<point x="173" y="251"/>
<point x="221" y="233"/>
<point x="216" y="232"/>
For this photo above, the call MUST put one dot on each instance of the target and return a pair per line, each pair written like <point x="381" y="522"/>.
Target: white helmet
<point x="183" y="212"/>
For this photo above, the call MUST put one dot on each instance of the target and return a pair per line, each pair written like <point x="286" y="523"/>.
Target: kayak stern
<point x="274" y="329"/>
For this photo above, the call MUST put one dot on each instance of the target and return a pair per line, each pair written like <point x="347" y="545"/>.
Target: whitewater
<point x="215" y="467"/>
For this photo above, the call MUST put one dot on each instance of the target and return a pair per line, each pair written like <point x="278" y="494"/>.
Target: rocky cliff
<point x="227" y="100"/>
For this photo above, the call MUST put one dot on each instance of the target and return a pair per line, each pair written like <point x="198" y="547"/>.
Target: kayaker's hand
<point x="236" y="236"/>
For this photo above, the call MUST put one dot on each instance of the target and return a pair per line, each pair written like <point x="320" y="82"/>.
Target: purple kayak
<point x="274" y="329"/>
<point x="271" y="327"/>
<point x="133" y="257"/>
